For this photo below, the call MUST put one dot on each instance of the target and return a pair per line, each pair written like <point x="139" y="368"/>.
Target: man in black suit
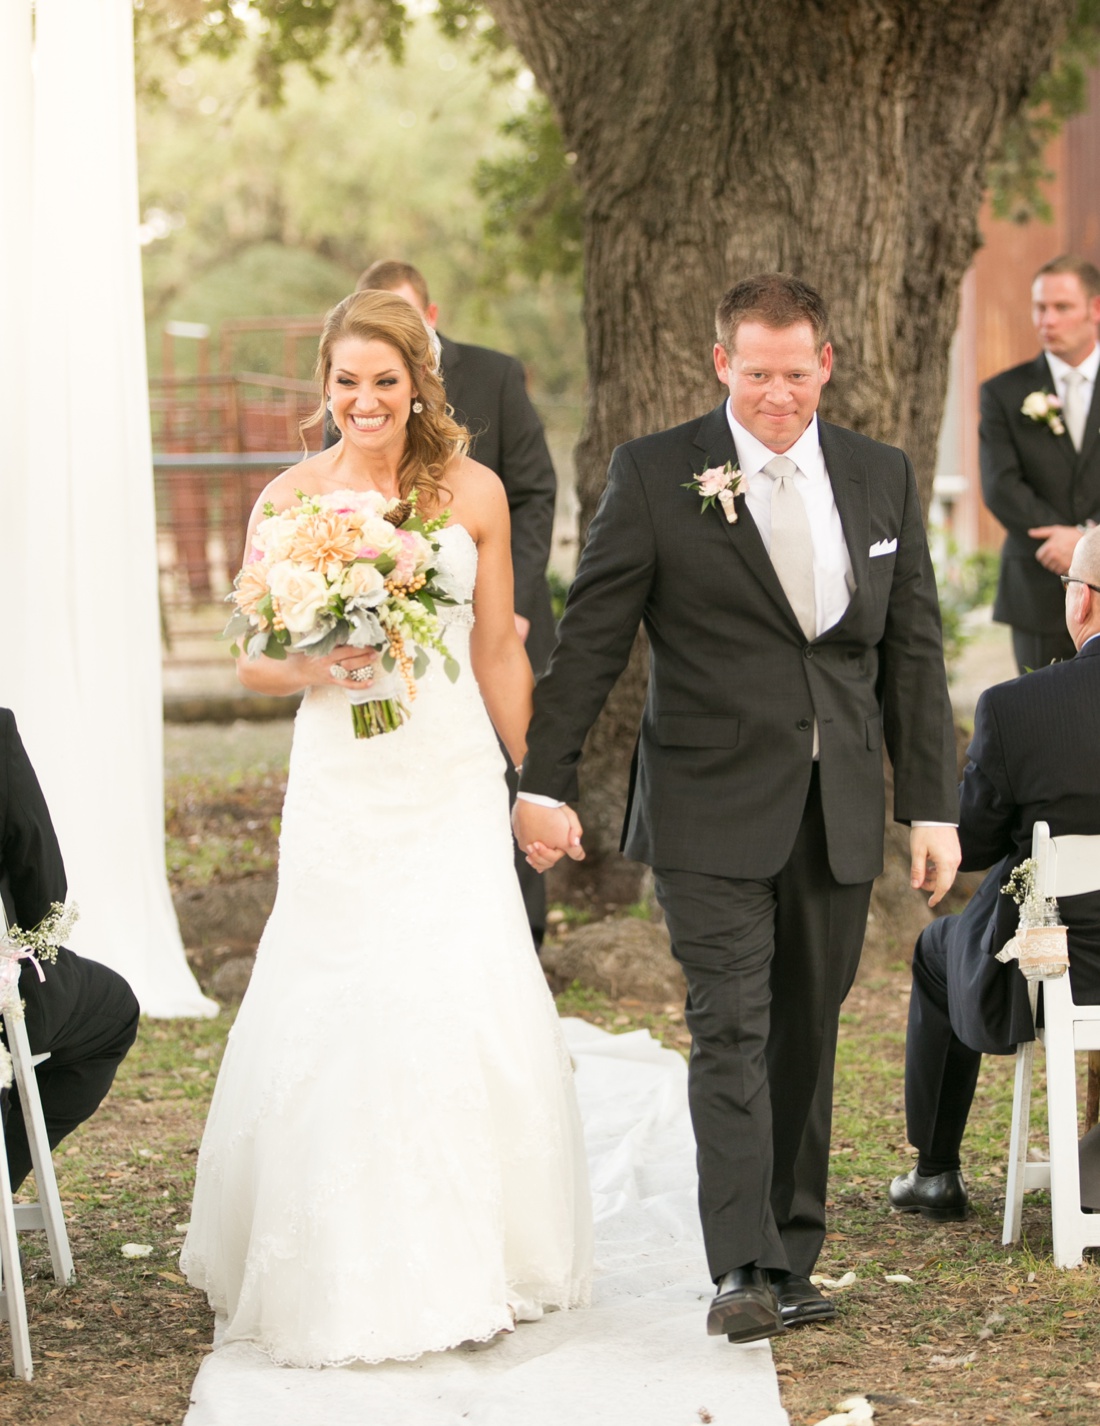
<point x="793" y="626"/>
<point x="488" y="393"/>
<point x="1040" y="458"/>
<point x="83" y="1013"/>
<point x="1035" y="757"/>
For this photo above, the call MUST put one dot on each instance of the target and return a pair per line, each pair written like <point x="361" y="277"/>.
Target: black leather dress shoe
<point x="940" y="1196"/>
<point x="800" y="1301"/>
<point x="745" y="1308"/>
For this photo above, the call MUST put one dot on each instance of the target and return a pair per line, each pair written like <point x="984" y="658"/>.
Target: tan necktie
<point x="792" y="548"/>
<point x="1073" y="407"/>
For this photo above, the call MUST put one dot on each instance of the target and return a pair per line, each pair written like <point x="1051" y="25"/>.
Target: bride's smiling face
<point x="371" y="393"/>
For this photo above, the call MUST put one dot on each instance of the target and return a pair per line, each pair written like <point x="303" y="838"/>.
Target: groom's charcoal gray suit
<point x="1030" y="478"/>
<point x="763" y="857"/>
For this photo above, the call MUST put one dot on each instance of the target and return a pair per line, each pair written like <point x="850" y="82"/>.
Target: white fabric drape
<point x="80" y="659"/>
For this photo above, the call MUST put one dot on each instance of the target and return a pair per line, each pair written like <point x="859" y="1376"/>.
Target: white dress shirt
<point x="1087" y="369"/>
<point x="833" y="582"/>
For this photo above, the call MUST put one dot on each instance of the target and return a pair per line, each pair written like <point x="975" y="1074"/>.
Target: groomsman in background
<point x="488" y="392"/>
<point x="1040" y="458"/>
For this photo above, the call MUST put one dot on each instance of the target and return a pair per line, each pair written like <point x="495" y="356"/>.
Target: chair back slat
<point x="1066" y="866"/>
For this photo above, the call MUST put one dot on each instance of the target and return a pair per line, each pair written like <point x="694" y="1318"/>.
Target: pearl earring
<point x="328" y="407"/>
<point x="418" y="406"/>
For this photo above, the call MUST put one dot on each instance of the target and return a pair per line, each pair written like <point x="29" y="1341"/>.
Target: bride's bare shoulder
<point x="307" y="476"/>
<point x="477" y="498"/>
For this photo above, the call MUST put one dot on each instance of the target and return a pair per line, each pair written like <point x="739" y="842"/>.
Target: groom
<point x="793" y="626"/>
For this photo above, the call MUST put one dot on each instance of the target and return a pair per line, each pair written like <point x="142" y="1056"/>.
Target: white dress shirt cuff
<point x="538" y="799"/>
<point x="923" y="824"/>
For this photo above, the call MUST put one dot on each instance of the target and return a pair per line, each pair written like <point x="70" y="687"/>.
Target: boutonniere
<point x="719" y="483"/>
<point x="1044" y="406"/>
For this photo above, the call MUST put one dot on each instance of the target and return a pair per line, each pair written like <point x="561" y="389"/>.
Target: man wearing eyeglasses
<point x="1035" y="757"/>
<point x="1039" y="447"/>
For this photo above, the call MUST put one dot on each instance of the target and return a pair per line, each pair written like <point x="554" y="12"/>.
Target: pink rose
<point x="406" y="559"/>
<point x="712" y="481"/>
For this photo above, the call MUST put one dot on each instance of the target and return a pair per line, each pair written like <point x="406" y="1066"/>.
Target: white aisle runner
<point x="639" y="1356"/>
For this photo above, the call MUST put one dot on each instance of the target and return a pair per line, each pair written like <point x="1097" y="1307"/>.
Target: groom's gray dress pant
<point x="768" y="964"/>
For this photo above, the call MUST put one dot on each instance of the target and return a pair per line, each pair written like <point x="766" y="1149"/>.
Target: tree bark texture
<point x="844" y="141"/>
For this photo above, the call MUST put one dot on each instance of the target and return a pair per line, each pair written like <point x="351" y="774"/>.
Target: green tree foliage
<point x="1016" y="179"/>
<point x="533" y="220"/>
<point x="253" y="209"/>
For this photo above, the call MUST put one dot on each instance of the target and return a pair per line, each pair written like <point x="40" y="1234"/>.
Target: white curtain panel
<point x="80" y="652"/>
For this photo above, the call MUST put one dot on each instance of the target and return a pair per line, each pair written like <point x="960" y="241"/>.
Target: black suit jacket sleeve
<point x="917" y="719"/>
<point x="30" y="857"/>
<point x="1005" y="488"/>
<point x="606" y="602"/>
<point x="531" y="485"/>
<point x="987" y="808"/>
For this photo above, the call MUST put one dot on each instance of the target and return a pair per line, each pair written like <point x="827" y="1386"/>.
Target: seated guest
<point x="84" y="1014"/>
<point x="1034" y="757"/>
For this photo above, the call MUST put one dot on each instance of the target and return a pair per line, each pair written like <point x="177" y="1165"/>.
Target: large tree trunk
<point x="845" y="141"/>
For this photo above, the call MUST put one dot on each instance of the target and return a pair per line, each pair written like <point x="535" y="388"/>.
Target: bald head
<point x="1083" y="593"/>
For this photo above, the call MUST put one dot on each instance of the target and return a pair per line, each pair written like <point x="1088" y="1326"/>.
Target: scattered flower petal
<point x="898" y="1277"/>
<point x="136" y="1250"/>
<point x="846" y="1281"/>
<point x="944" y="1363"/>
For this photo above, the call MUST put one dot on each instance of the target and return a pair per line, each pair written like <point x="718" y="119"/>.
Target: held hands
<point x="546" y="834"/>
<point x="935" y="856"/>
<point x="1059" y="543"/>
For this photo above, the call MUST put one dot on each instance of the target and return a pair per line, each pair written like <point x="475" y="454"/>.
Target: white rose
<point x="379" y="538"/>
<point x="298" y="595"/>
<point x="274" y="536"/>
<point x="1036" y="405"/>
<point x="363" y="585"/>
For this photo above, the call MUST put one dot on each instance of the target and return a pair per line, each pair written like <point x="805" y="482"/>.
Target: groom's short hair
<point x="774" y="299"/>
<point x="1085" y="272"/>
<point x="387" y="275"/>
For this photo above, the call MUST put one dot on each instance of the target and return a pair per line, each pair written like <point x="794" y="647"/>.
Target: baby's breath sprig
<point x="1021" y="883"/>
<point x="51" y="932"/>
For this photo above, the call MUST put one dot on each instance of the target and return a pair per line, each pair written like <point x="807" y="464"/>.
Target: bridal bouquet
<point x="350" y="568"/>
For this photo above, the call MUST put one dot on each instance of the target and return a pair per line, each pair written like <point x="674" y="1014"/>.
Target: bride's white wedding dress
<point x="393" y="1162"/>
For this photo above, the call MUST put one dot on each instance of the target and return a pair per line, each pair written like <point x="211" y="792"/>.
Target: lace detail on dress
<point x="451" y="615"/>
<point x="393" y="1161"/>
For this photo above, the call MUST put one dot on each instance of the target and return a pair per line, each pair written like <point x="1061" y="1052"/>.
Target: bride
<point x="393" y="1161"/>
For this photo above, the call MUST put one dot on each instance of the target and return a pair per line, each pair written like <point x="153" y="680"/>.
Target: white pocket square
<point x="883" y="547"/>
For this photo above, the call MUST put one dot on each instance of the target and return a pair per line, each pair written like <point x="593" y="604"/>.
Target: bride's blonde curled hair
<point x="432" y="437"/>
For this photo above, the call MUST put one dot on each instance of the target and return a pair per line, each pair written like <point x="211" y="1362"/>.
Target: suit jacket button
<point x="807" y="652"/>
<point x="803" y="724"/>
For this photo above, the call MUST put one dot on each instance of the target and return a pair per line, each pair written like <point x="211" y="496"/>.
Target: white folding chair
<point x="44" y="1213"/>
<point x="1065" y="866"/>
